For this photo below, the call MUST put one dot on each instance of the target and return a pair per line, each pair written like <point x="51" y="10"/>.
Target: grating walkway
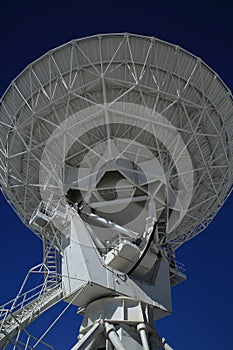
<point x="12" y="322"/>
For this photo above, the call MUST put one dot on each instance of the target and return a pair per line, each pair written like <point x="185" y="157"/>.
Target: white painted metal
<point x="14" y="321"/>
<point x="101" y="71"/>
<point x="109" y="224"/>
<point x="128" y="324"/>
<point x="88" y="341"/>
<point x="165" y="345"/>
<point x="115" y="150"/>
<point x="141" y="327"/>
<point x="82" y="266"/>
<point x="112" y="335"/>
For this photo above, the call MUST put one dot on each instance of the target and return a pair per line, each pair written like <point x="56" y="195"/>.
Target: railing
<point x="177" y="269"/>
<point x="18" y="313"/>
<point x="49" y="209"/>
<point x="23" y="298"/>
<point x="177" y="266"/>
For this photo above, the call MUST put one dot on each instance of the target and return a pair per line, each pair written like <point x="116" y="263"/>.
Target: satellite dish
<point x="115" y="150"/>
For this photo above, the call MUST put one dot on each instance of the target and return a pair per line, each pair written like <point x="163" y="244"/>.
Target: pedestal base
<point x="119" y="323"/>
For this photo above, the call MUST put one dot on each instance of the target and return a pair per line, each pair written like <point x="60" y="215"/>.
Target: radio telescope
<point x="114" y="150"/>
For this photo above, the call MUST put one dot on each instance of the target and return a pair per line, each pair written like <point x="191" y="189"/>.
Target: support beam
<point x="112" y="335"/>
<point x="88" y="341"/>
<point x="142" y="331"/>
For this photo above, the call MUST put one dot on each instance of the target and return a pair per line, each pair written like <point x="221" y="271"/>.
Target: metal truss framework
<point x="105" y="70"/>
<point x="36" y="295"/>
<point x="117" y="85"/>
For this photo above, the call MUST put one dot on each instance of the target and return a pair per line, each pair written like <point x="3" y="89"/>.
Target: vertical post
<point x="141" y="327"/>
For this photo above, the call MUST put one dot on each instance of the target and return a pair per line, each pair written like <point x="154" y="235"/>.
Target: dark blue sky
<point x="202" y="306"/>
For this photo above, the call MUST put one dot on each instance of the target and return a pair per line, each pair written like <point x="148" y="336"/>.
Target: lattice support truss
<point x="98" y="74"/>
<point x="17" y="314"/>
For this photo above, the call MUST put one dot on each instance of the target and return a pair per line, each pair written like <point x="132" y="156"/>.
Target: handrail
<point x="29" y="295"/>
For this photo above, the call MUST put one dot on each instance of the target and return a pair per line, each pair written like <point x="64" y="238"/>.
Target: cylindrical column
<point x="127" y="322"/>
<point x="88" y="341"/>
<point x="111" y="333"/>
<point x="109" y="345"/>
<point x="141" y="327"/>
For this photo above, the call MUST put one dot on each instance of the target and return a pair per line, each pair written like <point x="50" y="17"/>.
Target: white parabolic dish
<point x="78" y="118"/>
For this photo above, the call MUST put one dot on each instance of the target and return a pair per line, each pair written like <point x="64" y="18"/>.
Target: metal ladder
<point x="51" y="261"/>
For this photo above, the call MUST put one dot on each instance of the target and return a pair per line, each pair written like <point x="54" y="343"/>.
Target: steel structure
<point x="115" y="150"/>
